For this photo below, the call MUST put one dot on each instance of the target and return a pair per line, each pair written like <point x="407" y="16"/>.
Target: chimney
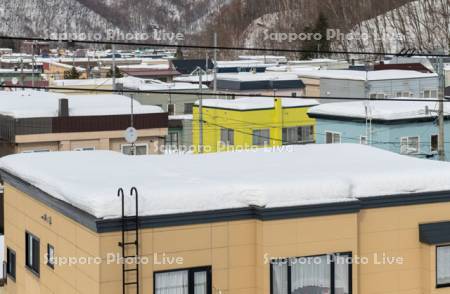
<point x="63" y="109"/>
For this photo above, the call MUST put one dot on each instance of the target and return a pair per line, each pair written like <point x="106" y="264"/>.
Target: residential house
<point x="33" y="121"/>
<point x="381" y="84"/>
<point x="315" y="219"/>
<point x="246" y="123"/>
<point x="268" y="83"/>
<point x="403" y="127"/>
<point x="56" y="70"/>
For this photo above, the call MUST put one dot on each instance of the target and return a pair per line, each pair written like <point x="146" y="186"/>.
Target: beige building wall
<point x="312" y="87"/>
<point x="236" y="250"/>
<point x="111" y="140"/>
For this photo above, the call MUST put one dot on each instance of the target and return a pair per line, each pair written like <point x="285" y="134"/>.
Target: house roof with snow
<point x="34" y="104"/>
<point x="379" y="75"/>
<point x="256" y="103"/>
<point x="382" y="111"/>
<point x="189" y="189"/>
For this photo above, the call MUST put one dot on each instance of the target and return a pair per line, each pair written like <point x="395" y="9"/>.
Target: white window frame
<point x="407" y="144"/>
<point x="84" y="149"/>
<point x="136" y="145"/>
<point x="229" y="136"/>
<point x="36" y="151"/>
<point x="378" y="95"/>
<point x="422" y="93"/>
<point x="174" y="108"/>
<point x="431" y="141"/>
<point x="333" y="133"/>
<point x="264" y="139"/>
<point x="361" y="138"/>
<point x="438" y="284"/>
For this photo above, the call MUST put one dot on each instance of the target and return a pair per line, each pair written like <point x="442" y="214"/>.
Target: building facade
<point x="252" y="122"/>
<point x="382" y="84"/>
<point x="400" y="127"/>
<point x="398" y="244"/>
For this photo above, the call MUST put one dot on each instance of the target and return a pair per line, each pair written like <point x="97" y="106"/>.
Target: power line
<point x="227" y="95"/>
<point x="404" y="52"/>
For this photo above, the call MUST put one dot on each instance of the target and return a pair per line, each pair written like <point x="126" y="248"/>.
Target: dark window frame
<point x="439" y="286"/>
<point x="50" y="259"/>
<point x="191" y="271"/>
<point x="10" y="252"/>
<point x="332" y="272"/>
<point x="35" y="267"/>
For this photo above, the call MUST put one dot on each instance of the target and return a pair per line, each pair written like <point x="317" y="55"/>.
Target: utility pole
<point x="215" y="63"/>
<point x="113" y="67"/>
<point x="33" y="63"/>
<point x="200" y="114"/>
<point x="441" y="138"/>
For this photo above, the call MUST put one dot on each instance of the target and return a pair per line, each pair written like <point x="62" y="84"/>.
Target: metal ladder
<point x="130" y="224"/>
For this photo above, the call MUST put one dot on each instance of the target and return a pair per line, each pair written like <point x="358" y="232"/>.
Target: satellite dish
<point x="131" y="135"/>
<point x="14" y="81"/>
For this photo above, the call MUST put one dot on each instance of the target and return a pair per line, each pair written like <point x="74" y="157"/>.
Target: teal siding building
<point x="408" y="128"/>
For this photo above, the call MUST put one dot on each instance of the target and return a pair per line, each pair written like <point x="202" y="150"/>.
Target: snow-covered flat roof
<point x="29" y="104"/>
<point x="249" y="103"/>
<point x="378" y="75"/>
<point x="266" y="76"/>
<point x="156" y="85"/>
<point x="382" y="110"/>
<point x="170" y="184"/>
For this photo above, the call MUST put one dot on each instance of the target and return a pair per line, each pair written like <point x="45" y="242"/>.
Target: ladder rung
<point x="130" y="229"/>
<point x="130" y="256"/>
<point x="131" y="270"/>
<point x="130" y="283"/>
<point x="127" y="243"/>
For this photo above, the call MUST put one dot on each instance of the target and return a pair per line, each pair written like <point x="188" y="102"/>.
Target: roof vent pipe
<point x="63" y="108"/>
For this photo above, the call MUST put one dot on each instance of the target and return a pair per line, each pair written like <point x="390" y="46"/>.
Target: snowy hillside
<point x="43" y="17"/>
<point x="422" y="24"/>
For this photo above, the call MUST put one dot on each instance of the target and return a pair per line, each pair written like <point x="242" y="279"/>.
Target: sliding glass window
<point x="323" y="274"/>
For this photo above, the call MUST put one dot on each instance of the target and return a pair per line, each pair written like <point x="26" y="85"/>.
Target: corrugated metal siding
<point x="7" y="129"/>
<point x="32" y="126"/>
<point x="108" y="123"/>
<point x="10" y="127"/>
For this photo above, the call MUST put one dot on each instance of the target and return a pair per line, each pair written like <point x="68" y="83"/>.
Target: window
<point x="36" y="151"/>
<point x="409" y="145"/>
<point x="84" y="149"/>
<point x="227" y="136"/>
<point x="298" y="135"/>
<point x="261" y="137"/>
<point x="189" y="281"/>
<point x="141" y="149"/>
<point x="434" y="143"/>
<point x="32" y="254"/>
<point x="377" y="96"/>
<point x="363" y="140"/>
<point x="429" y="94"/>
<point x="171" y="109"/>
<point x="443" y="266"/>
<point x="332" y="138"/>
<point x="50" y="256"/>
<point x="172" y="141"/>
<point x="188" y="107"/>
<point x="11" y="263"/>
<point x="404" y="94"/>
<point x="313" y="274"/>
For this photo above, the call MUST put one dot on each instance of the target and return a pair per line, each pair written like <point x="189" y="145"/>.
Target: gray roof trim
<point x="203" y="217"/>
<point x="62" y="207"/>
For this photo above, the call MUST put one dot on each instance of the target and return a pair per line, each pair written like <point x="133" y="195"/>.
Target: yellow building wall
<point x="237" y="251"/>
<point x="243" y="123"/>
